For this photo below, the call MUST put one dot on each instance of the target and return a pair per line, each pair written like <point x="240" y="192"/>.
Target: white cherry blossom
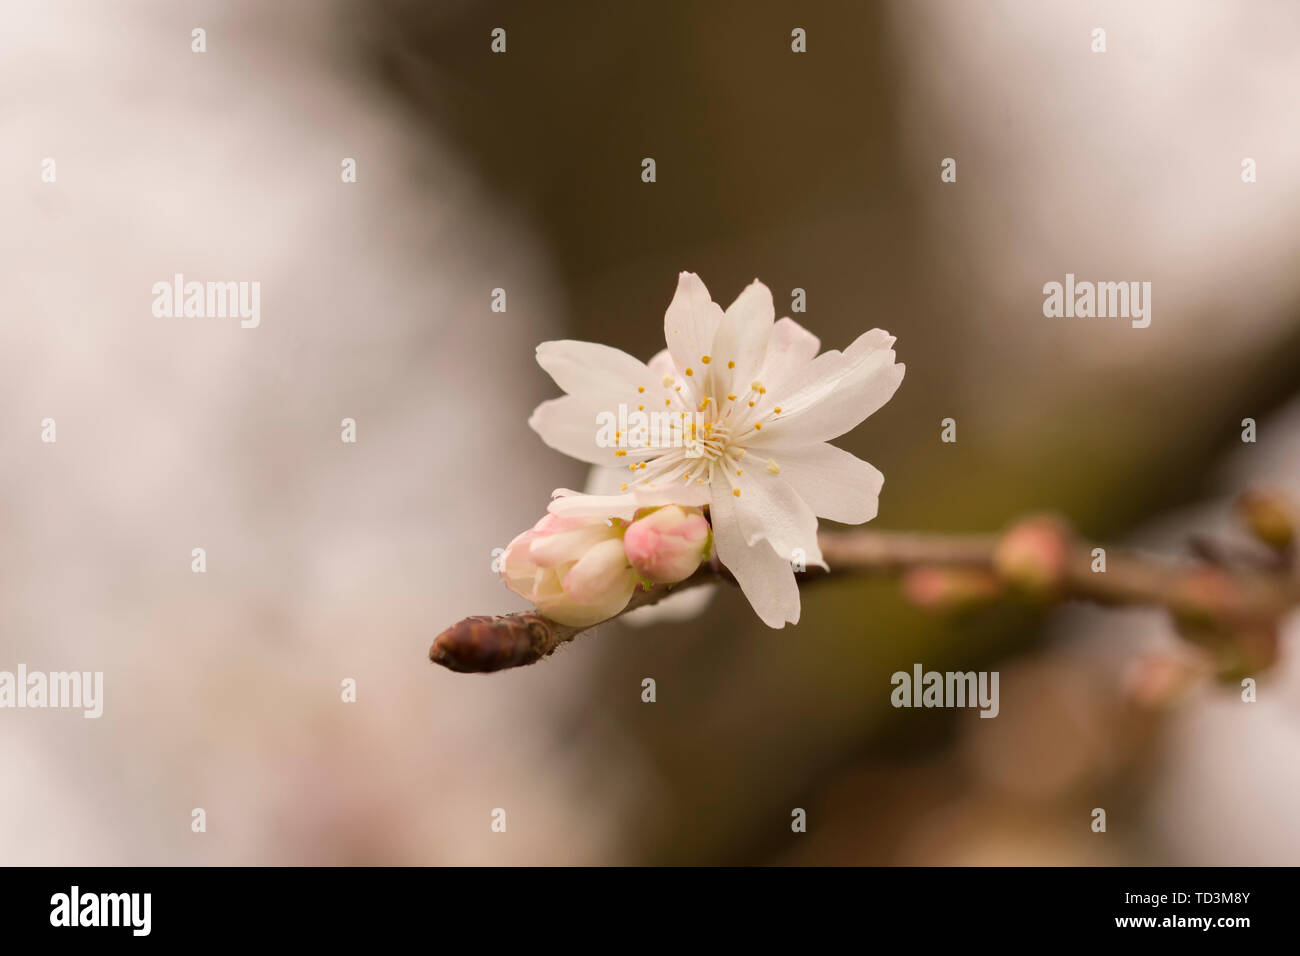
<point x="756" y="405"/>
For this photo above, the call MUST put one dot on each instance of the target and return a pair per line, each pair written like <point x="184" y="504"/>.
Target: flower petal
<point x="686" y="494"/>
<point x="554" y="550"/>
<point x="586" y="368"/>
<point x="575" y="504"/>
<point x="834" y="393"/>
<point x="625" y="506"/>
<point x="517" y="568"/>
<point x="790" y="349"/>
<point x="574" y="423"/>
<point x="834" y="483"/>
<point x="768" y="509"/>
<point x="661" y="364"/>
<point x="742" y="338"/>
<point x="689" y="326"/>
<point x="605" y="481"/>
<point x="602" y="577"/>
<point x="766" y="578"/>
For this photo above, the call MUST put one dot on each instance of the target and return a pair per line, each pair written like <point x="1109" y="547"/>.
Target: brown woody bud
<point x="482" y="644"/>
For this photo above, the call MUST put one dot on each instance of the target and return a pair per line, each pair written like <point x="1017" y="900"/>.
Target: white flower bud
<point x="573" y="568"/>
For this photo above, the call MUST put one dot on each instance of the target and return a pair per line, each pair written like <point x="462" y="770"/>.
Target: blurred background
<point x="522" y="171"/>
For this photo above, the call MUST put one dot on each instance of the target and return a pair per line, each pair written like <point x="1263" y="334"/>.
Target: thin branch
<point x="1038" y="557"/>
<point x="482" y="644"/>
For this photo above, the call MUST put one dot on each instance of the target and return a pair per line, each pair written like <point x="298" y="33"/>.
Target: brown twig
<point x="1038" y="557"/>
<point x="484" y="644"/>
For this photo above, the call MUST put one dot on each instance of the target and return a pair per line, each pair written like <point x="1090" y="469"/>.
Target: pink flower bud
<point x="1034" y="555"/>
<point x="668" y="544"/>
<point x="572" y="568"/>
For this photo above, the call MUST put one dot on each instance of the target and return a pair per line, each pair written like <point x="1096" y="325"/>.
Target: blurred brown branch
<point x="1230" y="606"/>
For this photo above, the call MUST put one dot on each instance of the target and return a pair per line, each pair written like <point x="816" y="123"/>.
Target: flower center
<point x="709" y="441"/>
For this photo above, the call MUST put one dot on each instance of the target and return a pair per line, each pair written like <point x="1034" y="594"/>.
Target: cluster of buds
<point x="583" y="570"/>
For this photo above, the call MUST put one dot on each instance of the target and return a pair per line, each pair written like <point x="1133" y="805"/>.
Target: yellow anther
<point x="620" y="453"/>
<point x="777" y="410"/>
<point x="736" y="492"/>
<point x="640" y="408"/>
<point x="623" y="486"/>
<point x="773" y="468"/>
<point x="667" y="380"/>
<point x="690" y="371"/>
<point x="731" y="365"/>
<point x="640" y="388"/>
<point x="758" y="426"/>
<point x="705" y="359"/>
<point x="751" y="404"/>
